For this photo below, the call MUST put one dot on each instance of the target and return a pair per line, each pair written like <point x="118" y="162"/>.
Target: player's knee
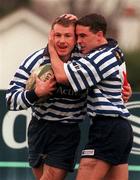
<point x="53" y="173"/>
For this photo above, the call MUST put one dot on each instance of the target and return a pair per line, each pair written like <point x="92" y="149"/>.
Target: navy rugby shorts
<point x="110" y="140"/>
<point x="53" y="143"/>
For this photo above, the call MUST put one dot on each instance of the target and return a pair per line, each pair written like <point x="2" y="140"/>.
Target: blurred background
<point x="123" y="18"/>
<point x="24" y="28"/>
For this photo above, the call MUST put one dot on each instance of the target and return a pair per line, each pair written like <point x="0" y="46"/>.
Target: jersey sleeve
<point x="87" y="72"/>
<point x="17" y="97"/>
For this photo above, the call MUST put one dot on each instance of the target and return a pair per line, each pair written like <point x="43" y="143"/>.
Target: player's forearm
<point x="126" y="93"/>
<point x="58" y="67"/>
<point x="17" y="98"/>
<point x="20" y="100"/>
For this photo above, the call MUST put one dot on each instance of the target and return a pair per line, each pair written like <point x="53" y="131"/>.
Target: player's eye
<point x="57" y="35"/>
<point x="68" y="35"/>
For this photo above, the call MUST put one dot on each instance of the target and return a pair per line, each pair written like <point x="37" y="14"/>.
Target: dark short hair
<point x="95" y="22"/>
<point x="62" y="20"/>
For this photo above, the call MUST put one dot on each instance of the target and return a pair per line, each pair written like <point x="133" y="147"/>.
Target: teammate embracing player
<point x="101" y="73"/>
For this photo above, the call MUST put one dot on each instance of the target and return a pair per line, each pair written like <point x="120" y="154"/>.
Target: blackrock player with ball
<point x="53" y="133"/>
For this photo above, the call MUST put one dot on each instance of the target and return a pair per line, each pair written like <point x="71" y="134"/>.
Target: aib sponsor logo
<point x="134" y="108"/>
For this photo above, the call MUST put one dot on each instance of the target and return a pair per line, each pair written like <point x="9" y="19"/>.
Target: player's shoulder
<point x="34" y="58"/>
<point x="36" y="54"/>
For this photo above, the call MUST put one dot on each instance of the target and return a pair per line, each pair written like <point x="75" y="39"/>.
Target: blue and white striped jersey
<point x="101" y="72"/>
<point x="64" y="105"/>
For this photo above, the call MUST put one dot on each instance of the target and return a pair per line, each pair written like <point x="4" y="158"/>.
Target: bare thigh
<point x="52" y="173"/>
<point x="119" y="172"/>
<point x="90" y="169"/>
<point x="38" y="172"/>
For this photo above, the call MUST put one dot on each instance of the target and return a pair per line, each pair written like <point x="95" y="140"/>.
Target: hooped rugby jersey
<point x="64" y="105"/>
<point x="102" y="73"/>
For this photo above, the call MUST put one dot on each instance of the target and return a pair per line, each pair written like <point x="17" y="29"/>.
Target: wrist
<point x="32" y="96"/>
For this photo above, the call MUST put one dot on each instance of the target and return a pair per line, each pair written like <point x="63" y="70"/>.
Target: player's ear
<point x="100" y="34"/>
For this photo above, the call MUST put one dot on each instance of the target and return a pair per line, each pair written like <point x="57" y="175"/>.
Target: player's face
<point x="64" y="40"/>
<point x="86" y="39"/>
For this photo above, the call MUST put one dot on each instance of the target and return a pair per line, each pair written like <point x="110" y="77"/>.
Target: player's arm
<point x="17" y="96"/>
<point x="56" y="62"/>
<point x="126" y="92"/>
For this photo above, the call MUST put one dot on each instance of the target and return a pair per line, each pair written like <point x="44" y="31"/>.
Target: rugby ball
<point x="44" y="72"/>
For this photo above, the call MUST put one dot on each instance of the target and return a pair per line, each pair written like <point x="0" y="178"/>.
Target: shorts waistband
<point x="56" y="122"/>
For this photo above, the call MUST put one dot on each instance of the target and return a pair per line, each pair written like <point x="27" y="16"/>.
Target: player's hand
<point x="51" y="47"/>
<point x="69" y="16"/>
<point x="126" y="92"/>
<point x="45" y="88"/>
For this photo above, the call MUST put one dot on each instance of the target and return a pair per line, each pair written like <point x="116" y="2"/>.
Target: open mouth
<point x="62" y="48"/>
